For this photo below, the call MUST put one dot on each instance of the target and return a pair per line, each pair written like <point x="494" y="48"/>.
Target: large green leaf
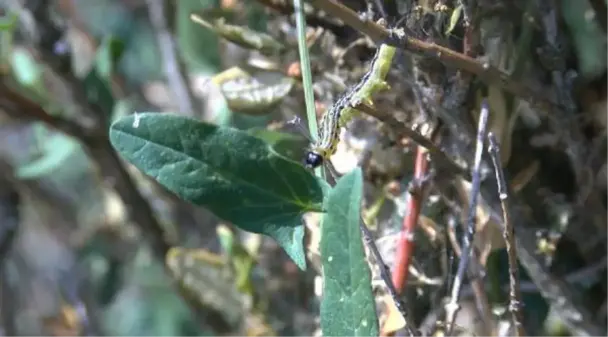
<point x="347" y="307"/>
<point x="238" y="177"/>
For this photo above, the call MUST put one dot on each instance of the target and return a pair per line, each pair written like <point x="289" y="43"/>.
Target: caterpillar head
<point x="313" y="160"/>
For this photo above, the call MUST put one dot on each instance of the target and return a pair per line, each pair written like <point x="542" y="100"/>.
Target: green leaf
<point x="242" y="36"/>
<point x="347" y="307"/>
<point x="238" y="177"/>
<point x="288" y="145"/>
<point x="454" y="19"/>
<point x="250" y="96"/>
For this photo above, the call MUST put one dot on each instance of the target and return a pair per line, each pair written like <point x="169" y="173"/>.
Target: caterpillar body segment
<point x="342" y="111"/>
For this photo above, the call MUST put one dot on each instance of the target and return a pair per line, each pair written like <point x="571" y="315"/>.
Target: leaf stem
<point x="309" y="97"/>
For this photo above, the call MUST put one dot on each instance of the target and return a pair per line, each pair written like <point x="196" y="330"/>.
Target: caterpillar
<point x="342" y="111"/>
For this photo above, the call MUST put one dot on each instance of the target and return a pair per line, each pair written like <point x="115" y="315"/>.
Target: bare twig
<point x="481" y="301"/>
<point x="404" y="131"/>
<point x="385" y="273"/>
<point x="579" y="276"/>
<point x="509" y="236"/>
<point x="174" y="68"/>
<point x="452" y="306"/>
<point x="483" y="70"/>
<point x="555" y="291"/>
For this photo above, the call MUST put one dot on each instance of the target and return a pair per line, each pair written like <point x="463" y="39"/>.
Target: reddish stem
<point x="405" y="245"/>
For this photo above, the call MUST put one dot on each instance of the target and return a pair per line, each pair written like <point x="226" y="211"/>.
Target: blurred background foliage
<point x="74" y="262"/>
<point x="76" y="265"/>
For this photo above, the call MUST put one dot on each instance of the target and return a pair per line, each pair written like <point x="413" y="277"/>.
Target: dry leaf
<point x="394" y="320"/>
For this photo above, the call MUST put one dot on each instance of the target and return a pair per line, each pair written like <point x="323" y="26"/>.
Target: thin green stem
<point x="309" y="97"/>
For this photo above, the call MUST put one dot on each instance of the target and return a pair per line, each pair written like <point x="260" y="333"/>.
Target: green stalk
<point x="309" y="97"/>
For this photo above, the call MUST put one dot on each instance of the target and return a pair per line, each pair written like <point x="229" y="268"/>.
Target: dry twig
<point x="509" y="236"/>
<point x="452" y="306"/>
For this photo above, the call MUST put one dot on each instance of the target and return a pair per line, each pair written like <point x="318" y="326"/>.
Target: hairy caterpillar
<point x="343" y="110"/>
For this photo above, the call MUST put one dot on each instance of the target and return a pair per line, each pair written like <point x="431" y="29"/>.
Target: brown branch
<point x="487" y="73"/>
<point x="404" y="131"/>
